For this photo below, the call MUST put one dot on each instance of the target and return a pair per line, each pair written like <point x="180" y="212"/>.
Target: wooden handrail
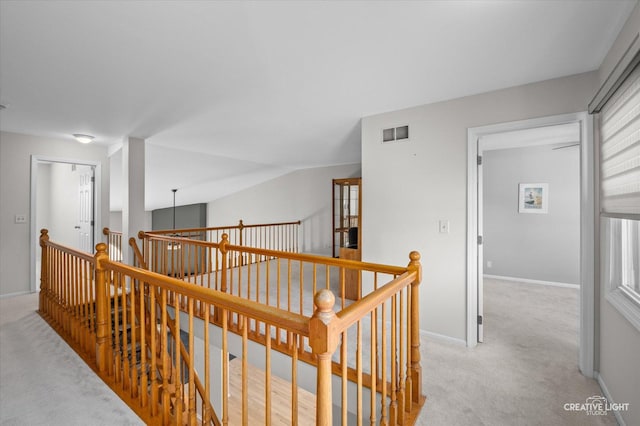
<point x="220" y="228"/>
<point x="312" y="258"/>
<point x="354" y="312"/>
<point x="70" y="250"/>
<point x="395" y="301"/>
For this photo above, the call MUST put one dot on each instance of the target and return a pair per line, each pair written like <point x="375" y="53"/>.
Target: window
<point x="620" y="197"/>
<point x="622" y="270"/>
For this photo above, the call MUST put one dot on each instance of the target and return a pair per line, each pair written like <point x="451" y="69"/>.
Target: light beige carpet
<point x="43" y="381"/>
<point x="523" y="374"/>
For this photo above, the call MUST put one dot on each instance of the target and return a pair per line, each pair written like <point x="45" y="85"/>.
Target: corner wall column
<point x="133" y="217"/>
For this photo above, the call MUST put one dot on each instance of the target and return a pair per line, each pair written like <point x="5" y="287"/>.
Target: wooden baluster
<point x="344" y="366"/>
<point x="359" y="373"/>
<point x="383" y="415"/>
<point x="267" y="376"/>
<point x="373" y="366"/>
<point x="176" y="361"/>
<point x="102" y="308"/>
<point x="153" y="353"/>
<point x="225" y="368"/>
<point x="294" y="381"/>
<point x="206" y="413"/>
<point x="145" y="324"/>
<point x="245" y="373"/>
<point x="393" y="405"/>
<point x="44" y="272"/>
<point x="164" y="354"/>
<point x="401" y="357"/>
<point x="416" y="368"/>
<point x="190" y="366"/>
<point x="323" y="341"/>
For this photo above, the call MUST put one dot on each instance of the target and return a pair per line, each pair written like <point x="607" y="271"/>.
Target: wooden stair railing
<point x="280" y="236"/>
<point x="146" y="310"/>
<point x="228" y="268"/>
<point x="200" y="388"/>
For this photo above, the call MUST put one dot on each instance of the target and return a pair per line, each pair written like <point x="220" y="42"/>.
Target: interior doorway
<point x="501" y="136"/>
<point x="64" y="196"/>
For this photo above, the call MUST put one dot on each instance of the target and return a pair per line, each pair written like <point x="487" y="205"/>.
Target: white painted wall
<point x="301" y="195"/>
<point x="15" y="165"/>
<point x="409" y="186"/>
<point x="115" y="221"/>
<point x="619" y="341"/>
<point x="544" y="247"/>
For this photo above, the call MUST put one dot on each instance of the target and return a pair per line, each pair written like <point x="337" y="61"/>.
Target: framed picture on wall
<point x="533" y="198"/>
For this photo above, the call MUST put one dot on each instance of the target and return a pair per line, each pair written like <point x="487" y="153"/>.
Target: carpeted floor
<point x="525" y="371"/>
<point x="522" y="375"/>
<point x="43" y="381"/>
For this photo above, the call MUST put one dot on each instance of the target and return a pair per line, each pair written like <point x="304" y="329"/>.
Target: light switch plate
<point x="443" y="225"/>
<point x="21" y="218"/>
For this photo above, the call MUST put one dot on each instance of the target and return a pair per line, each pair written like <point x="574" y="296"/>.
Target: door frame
<point x="587" y="226"/>
<point x="35" y="233"/>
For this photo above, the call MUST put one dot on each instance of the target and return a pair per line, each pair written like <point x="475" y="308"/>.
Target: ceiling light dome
<point x="83" y="138"/>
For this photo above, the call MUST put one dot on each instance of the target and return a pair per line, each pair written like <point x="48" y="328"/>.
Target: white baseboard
<point x="528" y="281"/>
<point x="607" y="395"/>
<point x="20" y="293"/>
<point x="442" y="337"/>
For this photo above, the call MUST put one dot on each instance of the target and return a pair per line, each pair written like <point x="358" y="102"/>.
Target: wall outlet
<point x="489" y="264"/>
<point x="443" y="226"/>
<point x="21" y="218"/>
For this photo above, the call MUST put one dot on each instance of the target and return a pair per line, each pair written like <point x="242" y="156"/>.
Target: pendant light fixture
<point x="174" y="207"/>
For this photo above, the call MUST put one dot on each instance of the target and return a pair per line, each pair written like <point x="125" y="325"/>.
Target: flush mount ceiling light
<point x="83" y="138"/>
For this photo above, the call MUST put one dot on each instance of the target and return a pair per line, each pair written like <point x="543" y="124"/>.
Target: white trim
<point x="19" y="293"/>
<point x="97" y="205"/>
<point x="587" y="206"/>
<point x="441" y="337"/>
<point x="624" y="305"/>
<point x="529" y="281"/>
<point x="607" y="394"/>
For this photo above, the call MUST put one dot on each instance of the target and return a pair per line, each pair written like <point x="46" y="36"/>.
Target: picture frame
<point x="533" y="198"/>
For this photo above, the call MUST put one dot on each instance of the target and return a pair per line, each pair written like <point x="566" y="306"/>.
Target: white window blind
<point x="620" y="149"/>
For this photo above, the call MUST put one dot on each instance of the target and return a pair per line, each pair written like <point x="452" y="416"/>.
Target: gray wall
<point x="543" y="247"/>
<point x="619" y="341"/>
<point x="15" y="177"/>
<point x="301" y="195"/>
<point x="409" y="186"/>
<point x="191" y="216"/>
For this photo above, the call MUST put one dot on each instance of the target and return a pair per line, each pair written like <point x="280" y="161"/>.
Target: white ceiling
<point x="258" y="89"/>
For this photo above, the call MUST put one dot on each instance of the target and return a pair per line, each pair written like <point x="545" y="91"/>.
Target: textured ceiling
<point x="257" y="89"/>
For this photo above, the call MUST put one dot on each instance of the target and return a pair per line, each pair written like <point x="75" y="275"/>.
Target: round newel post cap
<point x="324" y="300"/>
<point x="101" y="248"/>
<point x="132" y="241"/>
<point x="414" y="256"/>
<point x="141" y="235"/>
<point x="44" y="232"/>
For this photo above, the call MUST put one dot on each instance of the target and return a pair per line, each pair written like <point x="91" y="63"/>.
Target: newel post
<point x="241" y="228"/>
<point x="102" y="307"/>
<point x="44" y="268"/>
<point x="225" y="258"/>
<point x="323" y="340"/>
<point x="416" y="368"/>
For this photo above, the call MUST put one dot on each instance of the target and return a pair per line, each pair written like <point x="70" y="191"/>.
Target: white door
<point x="480" y="251"/>
<point x="85" y="221"/>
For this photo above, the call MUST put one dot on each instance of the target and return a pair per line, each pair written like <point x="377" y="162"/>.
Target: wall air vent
<point x="395" y="134"/>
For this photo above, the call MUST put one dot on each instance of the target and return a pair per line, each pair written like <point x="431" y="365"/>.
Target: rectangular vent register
<point x="395" y="134"/>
